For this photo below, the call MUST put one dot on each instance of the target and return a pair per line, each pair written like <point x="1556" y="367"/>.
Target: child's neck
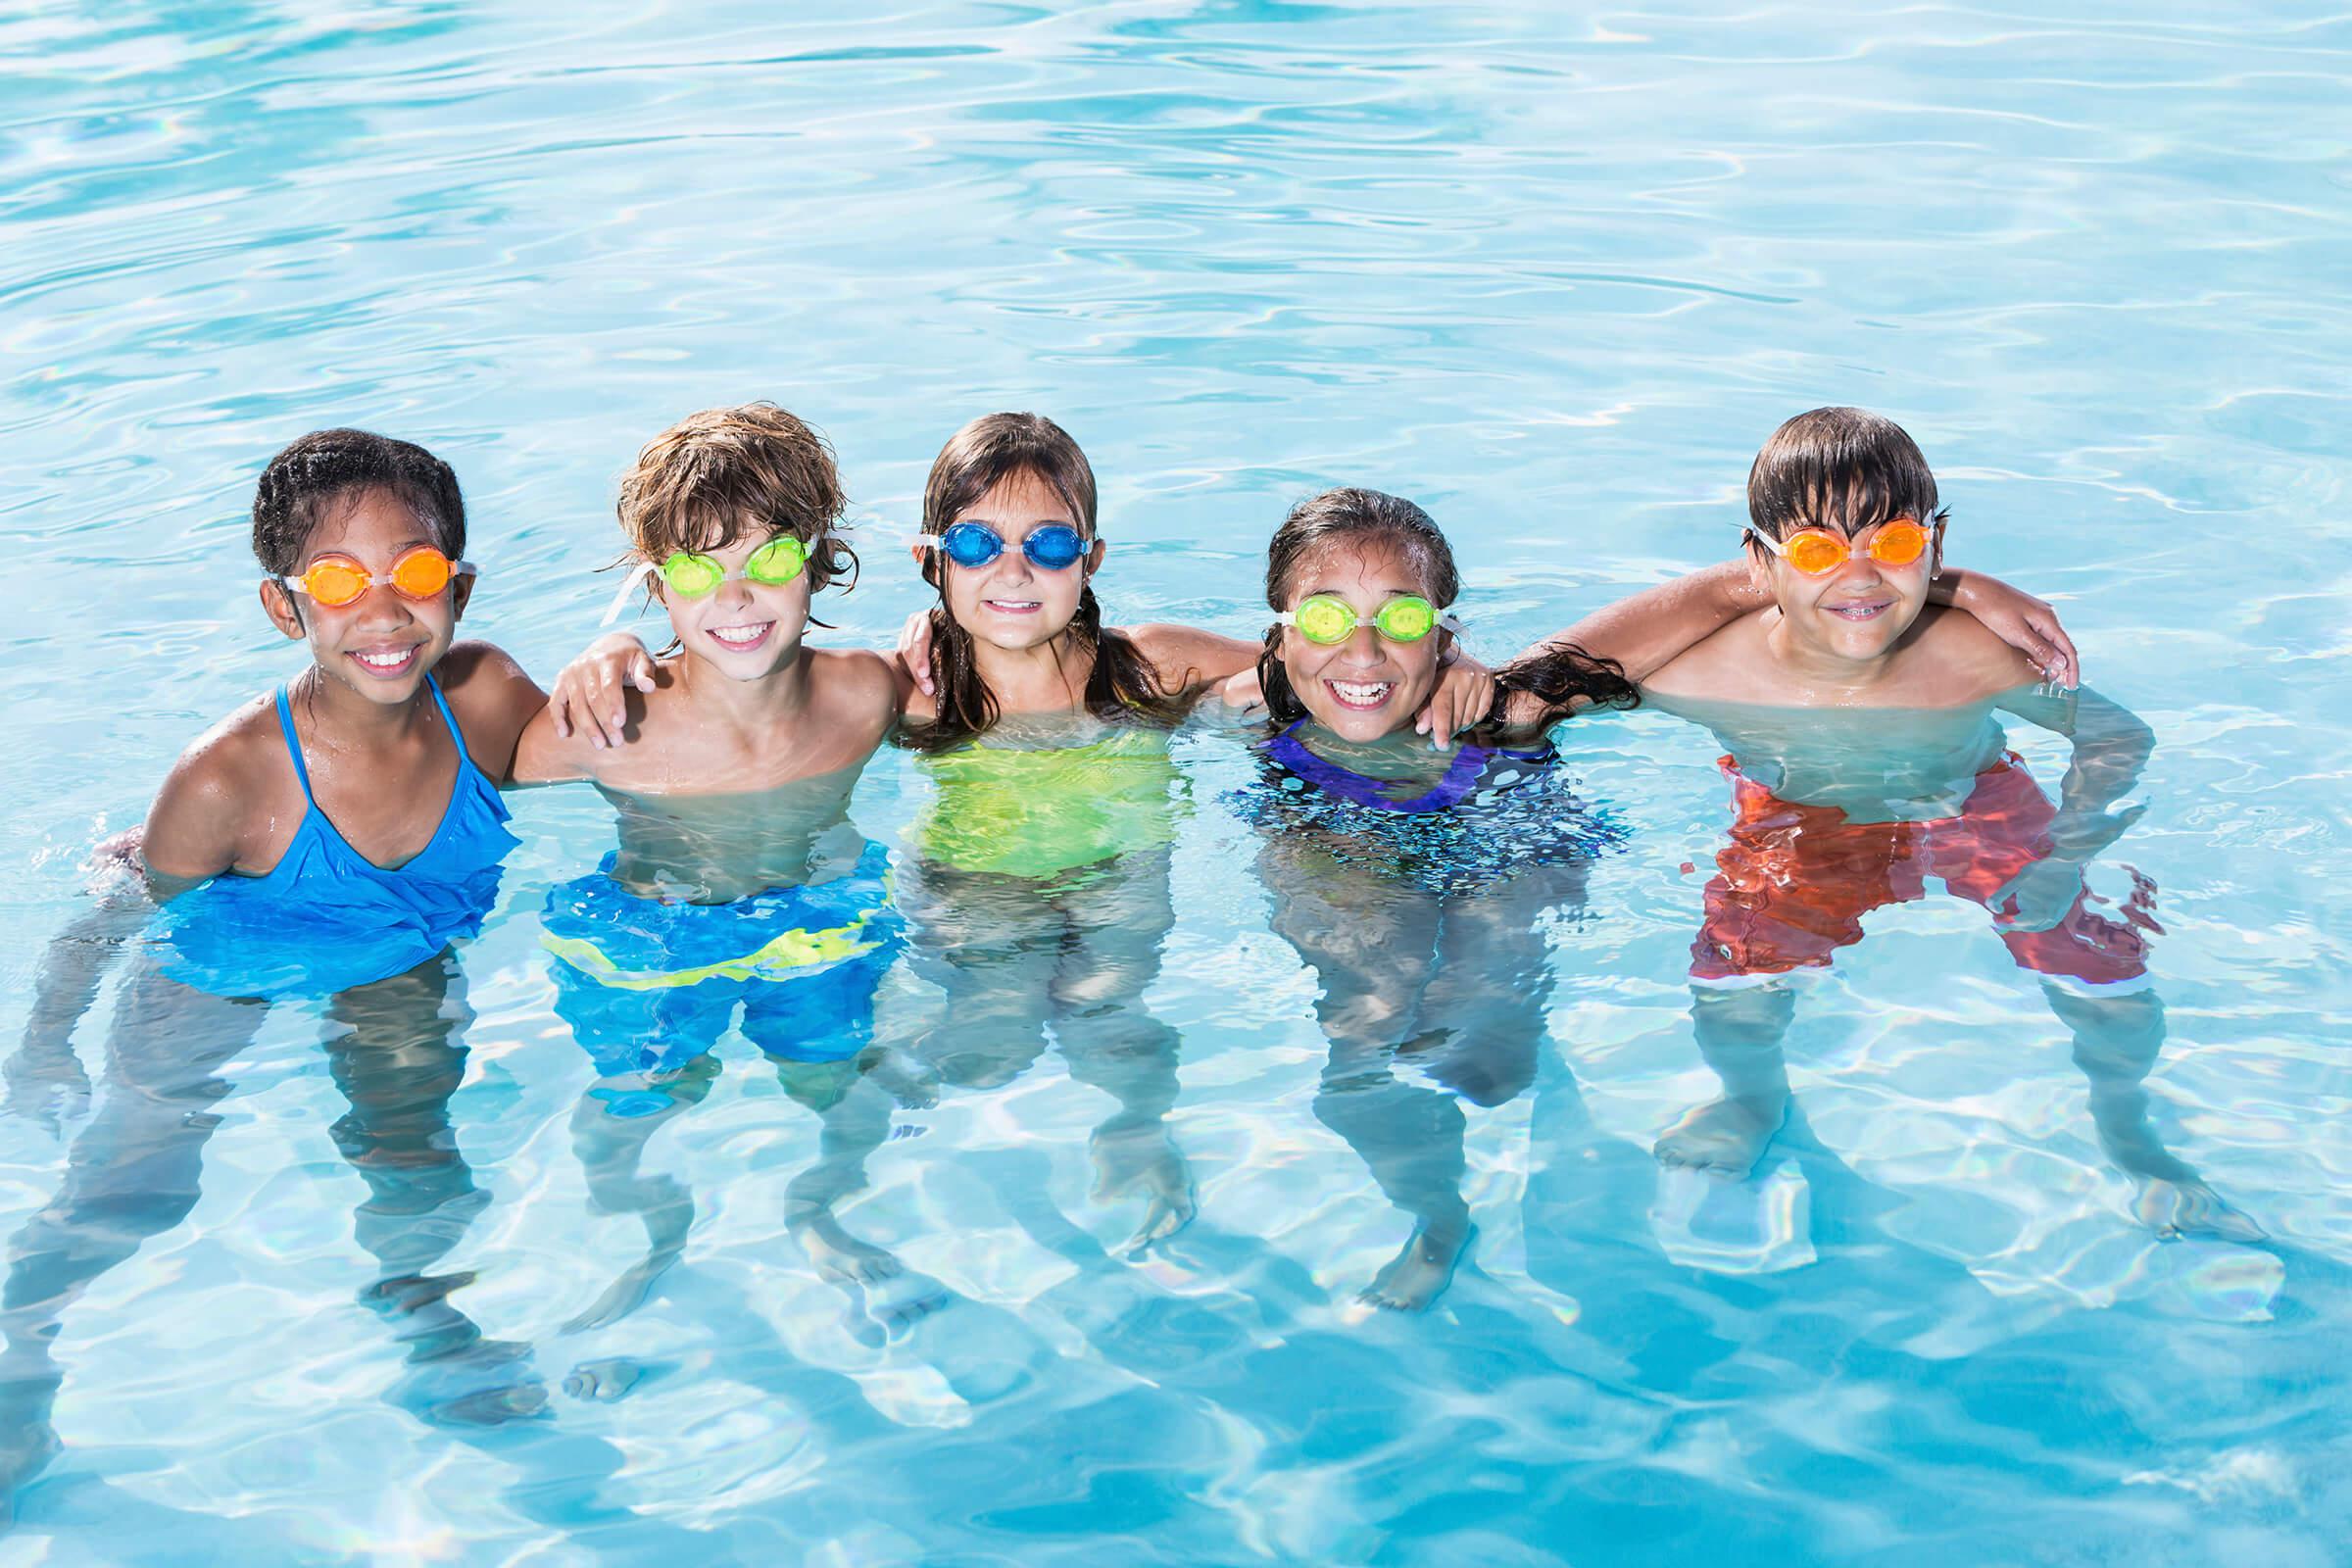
<point x="1811" y="667"/>
<point x="775" y="701"/>
<point x="343" y="719"/>
<point x="1048" y="678"/>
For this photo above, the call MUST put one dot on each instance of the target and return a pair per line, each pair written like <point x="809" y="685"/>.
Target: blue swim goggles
<point x="1055" y="547"/>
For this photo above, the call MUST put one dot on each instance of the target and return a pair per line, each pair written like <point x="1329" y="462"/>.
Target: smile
<point x="386" y="661"/>
<point x="1868" y="612"/>
<point x="741" y="639"/>
<point x="1014" y="606"/>
<point x="1360" y="694"/>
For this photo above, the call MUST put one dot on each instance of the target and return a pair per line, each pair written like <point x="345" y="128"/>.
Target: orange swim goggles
<point x="420" y="573"/>
<point x="1818" y="552"/>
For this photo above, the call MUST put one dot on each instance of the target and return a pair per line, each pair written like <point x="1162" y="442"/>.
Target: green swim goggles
<point x="1327" y="619"/>
<point x="690" y="574"/>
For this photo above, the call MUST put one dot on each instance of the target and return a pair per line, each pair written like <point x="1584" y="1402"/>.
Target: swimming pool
<point x="1554" y="278"/>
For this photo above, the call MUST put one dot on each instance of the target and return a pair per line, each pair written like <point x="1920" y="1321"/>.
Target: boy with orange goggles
<point x="1865" y="761"/>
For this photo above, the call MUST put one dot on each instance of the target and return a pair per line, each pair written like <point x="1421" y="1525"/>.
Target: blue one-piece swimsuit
<point x="325" y="917"/>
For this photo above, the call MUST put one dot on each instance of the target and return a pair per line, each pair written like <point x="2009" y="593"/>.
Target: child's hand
<point x="2025" y="623"/>
<point x="914" y="650"/>
<point x="1465" y="695"/>
<point x="589" y="691"/>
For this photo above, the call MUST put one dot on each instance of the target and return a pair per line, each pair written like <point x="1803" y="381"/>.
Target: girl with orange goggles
<point x="1817" y="551"/>
<point x="420" y="573"/>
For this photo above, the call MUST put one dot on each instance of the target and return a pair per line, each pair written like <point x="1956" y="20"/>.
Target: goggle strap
<point x="1446" y="620"/>
<point x="629" y="585"/>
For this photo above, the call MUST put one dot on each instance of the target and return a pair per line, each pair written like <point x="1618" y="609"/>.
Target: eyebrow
<point x="1342" y="593"/>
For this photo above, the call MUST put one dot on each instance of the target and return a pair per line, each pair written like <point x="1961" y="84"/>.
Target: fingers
<point x="641" y="670"/>
<point x="915" y="649"/>
<point x="2069" y="665"/>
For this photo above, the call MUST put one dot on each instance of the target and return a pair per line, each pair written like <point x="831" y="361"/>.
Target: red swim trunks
<point x="1794" y="881"/>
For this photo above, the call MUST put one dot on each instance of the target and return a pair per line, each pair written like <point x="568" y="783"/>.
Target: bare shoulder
<point x="1721" y="665"/>
<point x="1963" y="659"/>
<point x="230" y="783"/>
<point x="1186" y="659"/>
<point x="493" y="699"/>
<point x="855" y="686"/>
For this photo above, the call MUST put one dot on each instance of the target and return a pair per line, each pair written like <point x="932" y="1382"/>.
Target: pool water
<point x="389" y="1278"/>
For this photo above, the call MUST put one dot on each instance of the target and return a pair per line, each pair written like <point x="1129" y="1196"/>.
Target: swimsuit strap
<point x="1461" y="776"/>
<point x="465" y="761"/>
<point x="285" y="721"/>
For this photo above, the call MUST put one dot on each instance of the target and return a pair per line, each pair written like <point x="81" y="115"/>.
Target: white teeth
<point x="386" y="661"/>
<point x="1012" y="604"/>
<point x="1361" y="692"/>
<point x="740" y="634"/>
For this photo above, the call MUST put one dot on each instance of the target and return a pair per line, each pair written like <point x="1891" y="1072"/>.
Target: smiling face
<point x="1364" y="686"/>
<point x="1856" y="614"/>
<point x="746" y="629"/>
<point x="1010" y="603"/>
<point x="381" y="644"/>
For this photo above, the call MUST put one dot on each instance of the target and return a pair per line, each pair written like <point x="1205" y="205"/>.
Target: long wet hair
<point x="1561" y="676"/>
<point x="1120" y="683"/>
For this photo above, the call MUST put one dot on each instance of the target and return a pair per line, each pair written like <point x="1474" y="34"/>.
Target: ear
<point x="1759" y="569"/>
<point x="1094" y="557"/>
<point x="461" y="595"/>
<point x="1935" y="550"/>
<point x="277" y="603"/>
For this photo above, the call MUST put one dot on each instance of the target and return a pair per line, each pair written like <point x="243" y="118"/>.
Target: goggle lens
<point x="1325" y="618"/>
<point x="338" y="581"/>
<point x="1055" y="547"/>
<point x="1899" y="543"/>
<point x="334" y="582"/>
<point x="777" y="562"/>
<point x="691" y="574"/>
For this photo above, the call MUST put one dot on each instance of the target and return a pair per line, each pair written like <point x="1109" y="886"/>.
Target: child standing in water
<point x="739" y="879"/>
<point x="1865" y="757"/>
<point x="328" y="841"/>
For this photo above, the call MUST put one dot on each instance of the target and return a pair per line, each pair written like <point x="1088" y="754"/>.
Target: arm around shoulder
<point x="1185" y="660"/>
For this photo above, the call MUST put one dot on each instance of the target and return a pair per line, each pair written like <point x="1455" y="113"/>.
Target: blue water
<point x="1553" y="276"/>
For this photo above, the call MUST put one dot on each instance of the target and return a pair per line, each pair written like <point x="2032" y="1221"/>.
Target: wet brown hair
<point x="1837" y="468"/>
<point x="715" y="476"/>
<point x="1120" y="683"/>
<point x="1561" y="676"/>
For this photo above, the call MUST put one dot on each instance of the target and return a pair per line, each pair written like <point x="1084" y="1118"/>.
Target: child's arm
<point x="1645" y="633"/>
<point x="590" y="694"/>
<point x="46" y="1081"/>
<point x="2111" y="746"/>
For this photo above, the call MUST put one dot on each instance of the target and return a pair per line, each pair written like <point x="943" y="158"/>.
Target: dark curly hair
<point x="312" y="475"/>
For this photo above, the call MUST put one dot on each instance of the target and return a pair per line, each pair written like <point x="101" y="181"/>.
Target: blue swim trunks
<point x="647" y="985"/>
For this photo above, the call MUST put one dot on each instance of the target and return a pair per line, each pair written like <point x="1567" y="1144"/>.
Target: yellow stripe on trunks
<point x="790" y="950"/>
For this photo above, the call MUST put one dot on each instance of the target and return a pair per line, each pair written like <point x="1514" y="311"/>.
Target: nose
<point x="1013" y="570"/>
<point x="733" y="594"/>
<point x="1362" y="648"/>
<point x="382" y="606"/>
